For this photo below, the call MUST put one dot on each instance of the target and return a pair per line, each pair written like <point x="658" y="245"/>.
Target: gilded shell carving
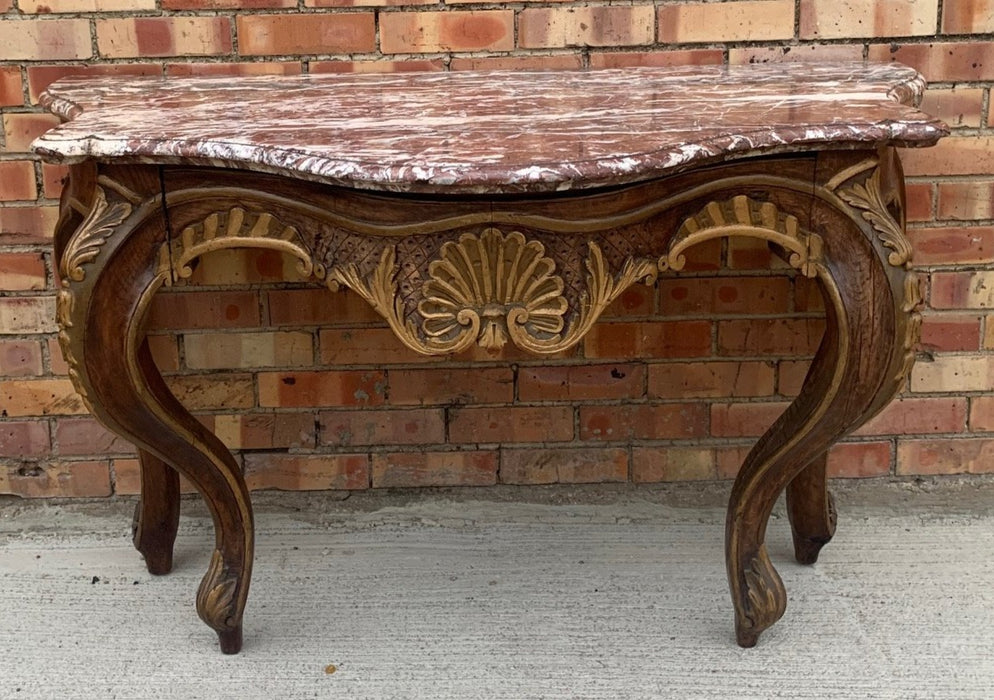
<point x="492" y="281"/>
<point x="490" y="289"/>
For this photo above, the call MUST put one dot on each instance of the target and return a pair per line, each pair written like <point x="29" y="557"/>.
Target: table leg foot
<point x="811" y="510"/>
<point x="763" y="597"/>
<point x="156" y="513"/>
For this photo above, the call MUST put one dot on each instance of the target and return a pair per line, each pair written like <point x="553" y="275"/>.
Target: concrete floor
<point x="509" y="593"/>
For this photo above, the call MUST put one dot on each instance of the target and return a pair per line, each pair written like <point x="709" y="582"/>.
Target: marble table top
<point x="487" y="132"/>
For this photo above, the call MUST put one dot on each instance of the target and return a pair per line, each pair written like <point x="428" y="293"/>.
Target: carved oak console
<point x="490" y="209"/>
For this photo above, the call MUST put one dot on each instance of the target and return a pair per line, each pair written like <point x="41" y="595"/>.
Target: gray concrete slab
<point x="583" y="593"/>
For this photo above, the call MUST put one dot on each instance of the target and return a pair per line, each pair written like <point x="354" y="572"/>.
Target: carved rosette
<point x="235" y="228"/>
<point x="745" y="217"/>
<point x="491" y="288"/>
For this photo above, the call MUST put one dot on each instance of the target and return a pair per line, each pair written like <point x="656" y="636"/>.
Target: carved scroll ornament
<point x="231" y="229"/>
<point x="742" y="216"/>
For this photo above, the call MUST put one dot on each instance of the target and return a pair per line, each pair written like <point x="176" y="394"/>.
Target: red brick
<point x="64" y="6"/>
<point x="968" y="17"/>
<point x="192" y="310"/>
<point x="838" y="19"/>
<point x="558" y="27"/>
<point x="429" y="387"/>
<point x="638" y="300"/>
<point x="963" y="456"/>
<point x="770" y="336"/>
<point x="954" y="155"/>
<point x="312" y="307"/>
<point x="571" y="383"/>
<point x="262" y="431"/>
<point x="27" y="225"/>
<point x="808" y="53"/>
<point x="367" y="346"/>
<point x="750" y="254"/>
<point x="744" y="419"/>
<point x="39" y="397"/>
<point x="941" y="61"/>
<point x="511" y="424"/>
<point x="950" y="333"/>
<point x="57" y="479"/>
<point x="164" y="352"/>
<point x="306" y="472"/>
<point x="85" y="436"/>
<point x="750" y="20"/>
<point x="845" y="460"/>
<point x="948" y="246"/>
<point x="563" y="466"/>
<point x="226" y="4"/>
<point x="966" y="201"/>
<point x="921" y="201"/>
<point x="23" y="438"/>
<point x="807" y="295"/>
<point x="655" y="464"/>
<point x="859" y="460"/>
<point x="198" y="392"/>
<point x="957" y="106"/>
<point x="245" y="266"/>
<point x="728" y="460"/>
<point x="27" y="315"/>
<point x="328" y="388"/>
<point x="271" y="35"/>
<point x="982" y="414"/>
<point x="20" y="358"/>
<point x="40" y="77"/>
<point x="245" y="350"/>
<point x="45" y="40"/>
<point x="56" y="362"/>
<point x="423" y="32"/>
<point x="375" y="66"/>
<point x="390" y="427"/>
<point x="633" y="59"/>
<point x="961" y="290"/>
<point x="126" y="476"/>
<point x="220" y="69"/>
<point x="11" y="89"/>
<point x="954" y="374"/>
<point x="21" y="271"/>
<point x="408" y="469"/>
<point x="724" y="295"/>
<point x="710" y="379"/>
<point x="558" y="62"/>
<point x="919" y="417"/>
<point x="790" y="376"/>
<point x="53" y="178"/>
<point x="645" y="340"/>
<point x="21" y="128"/>
<point x="643" y="421"/>
<point x="129" y="37"/>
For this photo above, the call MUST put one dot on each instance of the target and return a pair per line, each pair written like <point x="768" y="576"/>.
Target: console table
<point x="488" y="208"/>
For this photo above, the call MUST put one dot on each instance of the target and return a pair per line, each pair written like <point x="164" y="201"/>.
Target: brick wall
<point x="314" y="392"/>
